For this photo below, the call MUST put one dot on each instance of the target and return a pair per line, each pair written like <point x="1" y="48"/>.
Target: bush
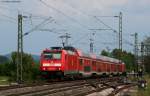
<point x="30" y="70"/>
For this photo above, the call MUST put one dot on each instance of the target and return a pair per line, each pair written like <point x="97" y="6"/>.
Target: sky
<point x="76" y="17"/>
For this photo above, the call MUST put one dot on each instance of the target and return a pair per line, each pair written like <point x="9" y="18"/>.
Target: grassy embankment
<point x="144" y="92"/>
<point x="4" y="80"/>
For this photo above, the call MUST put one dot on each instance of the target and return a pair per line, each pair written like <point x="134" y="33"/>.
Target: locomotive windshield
<point x="52" y="55"/>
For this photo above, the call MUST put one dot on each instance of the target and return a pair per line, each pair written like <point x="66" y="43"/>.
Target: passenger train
<point x="72" y="62"/>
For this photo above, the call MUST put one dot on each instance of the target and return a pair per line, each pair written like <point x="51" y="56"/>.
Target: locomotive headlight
<point x="53" y="64"/>
<point x="57" y="64"/>
<point x="46" y="64"/>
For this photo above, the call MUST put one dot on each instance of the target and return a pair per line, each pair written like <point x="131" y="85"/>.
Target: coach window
<point x="81" y="62"/>
<point x="94" y="63"/>
<point x="87" y="68"/>
<point x="117" y="67"/>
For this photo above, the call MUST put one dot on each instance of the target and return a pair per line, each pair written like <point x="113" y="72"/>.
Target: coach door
<point x="87" y="66"/>
<point x="94" y="66"/>
<point x="80" y="64"/>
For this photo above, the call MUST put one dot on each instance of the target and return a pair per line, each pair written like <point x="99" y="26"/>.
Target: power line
<point x="52" y="30"/>
<point x="65" y="39"/>
<point x="92" y="43"/>
<point x="13" y="20"/>
<point x="9" y="17"/>
<point x="72" y="19"/>
<point x="81" y="38"/>
<point x="95" y="17"/>
<point x="37" y="26"/>
<point x="110" y="28"/>
<point x="10" y="1"/>
<point x="7" y="20"/>
<point x="25" y="12"/>
<point x="90" y="16"/>
<point x="129" y="43"/>
<point x="31" y="16"/>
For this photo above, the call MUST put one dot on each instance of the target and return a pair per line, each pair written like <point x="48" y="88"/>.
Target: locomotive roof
<point x="65" y="48"/>
<point x="61" y="48"/>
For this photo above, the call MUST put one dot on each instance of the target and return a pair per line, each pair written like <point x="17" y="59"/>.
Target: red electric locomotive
<point x="71" y="62"/>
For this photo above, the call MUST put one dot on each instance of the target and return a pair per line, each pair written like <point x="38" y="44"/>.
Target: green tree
<point x="7" y="69"/>
<point x="147" y="54"/>
<point x="147" y="63"/>
<point x="105" y="53"/>
<point x="3" y="59"/>
<point x="126" y="57"/>
<point x="29" y="68"/>
<point x="147" y="45"/>
<point x="116" y="53"/>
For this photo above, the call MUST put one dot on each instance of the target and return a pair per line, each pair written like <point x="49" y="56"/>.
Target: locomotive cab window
<point x="52" y="55"/>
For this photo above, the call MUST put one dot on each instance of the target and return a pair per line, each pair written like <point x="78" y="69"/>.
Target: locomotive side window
<point x="52" y="55"/>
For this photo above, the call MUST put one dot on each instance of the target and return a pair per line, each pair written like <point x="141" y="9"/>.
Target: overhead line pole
<point x="142" y="56"/>
<point x="136" y="52"/>
<point x="19" y="49"/>
<point x="120" y="31"/>
<point x="92" y="43"/>
<point x="120" y="35"/>
<point x="65" y="39"/>
<point x="19" y="44"/>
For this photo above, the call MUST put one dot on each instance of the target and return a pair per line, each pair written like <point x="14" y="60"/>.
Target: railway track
<point x="67" y="88"/>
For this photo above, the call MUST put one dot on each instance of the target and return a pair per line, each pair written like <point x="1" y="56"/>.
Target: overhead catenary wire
<point x="10" y="1"/>
<point x="30" y="17"/>
<point x="82" y="37"/>
<point x="52" y="31"/>
<point x="72" y="19"/>
<point x="37" y="26"/>
<point x="7" y="20"/>
<point x="9" y="17"/>
<point x="102" y="23"/>
<point x="105" y="24"/>
<point x="23" y="12"/>
<point x="125" y="40"/>
<point x="95" y="17"/>
<point x="69" y="17"/>
<point x="62" y="12"/>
